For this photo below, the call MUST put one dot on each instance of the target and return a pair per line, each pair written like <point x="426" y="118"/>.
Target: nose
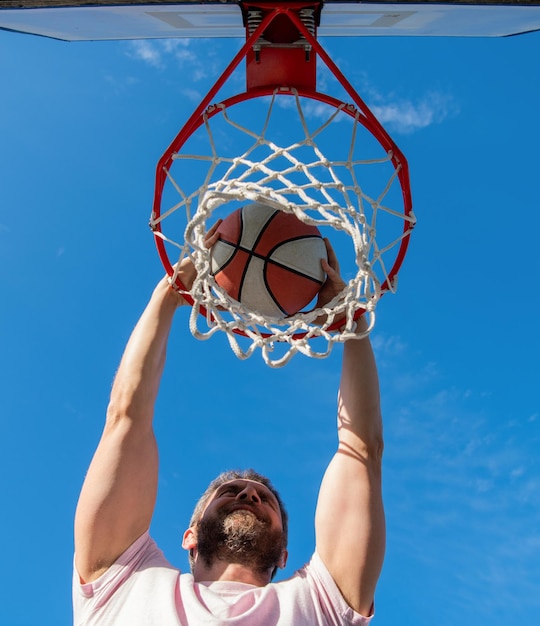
<point x="250" y="494"/>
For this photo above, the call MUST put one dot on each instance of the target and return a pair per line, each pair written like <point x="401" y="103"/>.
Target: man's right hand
<point x="186" y="271"/>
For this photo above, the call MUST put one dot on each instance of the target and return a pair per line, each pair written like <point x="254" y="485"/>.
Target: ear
<point x="189" y="541"/>
<point x="283" y="559"/>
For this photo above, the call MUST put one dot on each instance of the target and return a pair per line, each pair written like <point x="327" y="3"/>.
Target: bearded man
<point x="237" y="538"/>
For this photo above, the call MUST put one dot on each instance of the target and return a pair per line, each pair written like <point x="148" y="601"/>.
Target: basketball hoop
<point x="329" y="163"/>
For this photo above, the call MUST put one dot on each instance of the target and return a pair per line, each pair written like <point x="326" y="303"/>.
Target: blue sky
<point x="82" y="128"/>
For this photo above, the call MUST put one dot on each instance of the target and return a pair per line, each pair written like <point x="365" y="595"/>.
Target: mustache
<point x="246" y="507"/>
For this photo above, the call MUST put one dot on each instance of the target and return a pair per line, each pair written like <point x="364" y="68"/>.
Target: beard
<point x="239" y="537"/>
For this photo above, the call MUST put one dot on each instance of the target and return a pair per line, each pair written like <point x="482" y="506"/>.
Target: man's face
<point x="241" y="524"/>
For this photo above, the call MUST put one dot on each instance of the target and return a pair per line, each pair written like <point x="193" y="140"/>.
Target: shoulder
<point x="141" y="566"/>
<point x="321" y="583"/>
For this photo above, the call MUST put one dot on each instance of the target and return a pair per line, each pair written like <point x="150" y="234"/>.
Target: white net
<point x="307" y="158"/>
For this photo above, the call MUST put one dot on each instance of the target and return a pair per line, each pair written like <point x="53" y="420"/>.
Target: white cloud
<point x="395" y="112"/>
<point x="196" y="64"/>
<point x="192" y="94"/>
<point x="406" y="116"/>
<point x="183" y="54"/>
<point x="146" y="51"/>
<point x="389" y="345"/>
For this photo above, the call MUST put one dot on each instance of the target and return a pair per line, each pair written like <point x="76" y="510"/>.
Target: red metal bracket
<point x="281" y="56"/>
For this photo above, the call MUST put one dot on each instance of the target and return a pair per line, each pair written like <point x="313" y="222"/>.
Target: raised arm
<point x="350" y="527"/>
<point x="117" y="499"/>
<point x="118" y="495"/>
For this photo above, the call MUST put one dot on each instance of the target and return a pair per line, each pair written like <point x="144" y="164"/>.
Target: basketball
<point x="268" y="260"/>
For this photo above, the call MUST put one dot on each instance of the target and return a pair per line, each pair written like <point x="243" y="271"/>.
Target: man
<point x="237" y="536"/>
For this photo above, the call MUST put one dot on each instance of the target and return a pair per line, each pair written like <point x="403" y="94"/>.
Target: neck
<point x="232" y="572"/>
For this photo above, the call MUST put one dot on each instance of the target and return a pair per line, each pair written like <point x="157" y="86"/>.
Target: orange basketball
<point x="268" y="260"/>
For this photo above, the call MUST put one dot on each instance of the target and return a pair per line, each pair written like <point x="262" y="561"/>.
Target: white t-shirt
<point x="143" y="589"/>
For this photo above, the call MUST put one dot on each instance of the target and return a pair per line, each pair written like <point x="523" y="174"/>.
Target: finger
<point x="212" y="235"/>
<point x="209" y="241"/>
<point x="332" y="258"/>
<point x="212" y="230"/>
<point x="326" y="266"/>
<point x="332" y="274"/>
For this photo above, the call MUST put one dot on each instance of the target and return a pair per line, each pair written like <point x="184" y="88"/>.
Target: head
<point x="221" y="531"/>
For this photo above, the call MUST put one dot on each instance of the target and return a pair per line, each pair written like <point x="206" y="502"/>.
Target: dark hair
<point x="225" y="477"/>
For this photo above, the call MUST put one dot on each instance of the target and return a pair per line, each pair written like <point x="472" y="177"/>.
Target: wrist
<point x="165" y="291"/>
<point x="361" y="324"/>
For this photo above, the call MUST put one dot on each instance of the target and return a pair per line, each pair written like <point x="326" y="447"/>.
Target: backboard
<point x="92" y="20"/>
